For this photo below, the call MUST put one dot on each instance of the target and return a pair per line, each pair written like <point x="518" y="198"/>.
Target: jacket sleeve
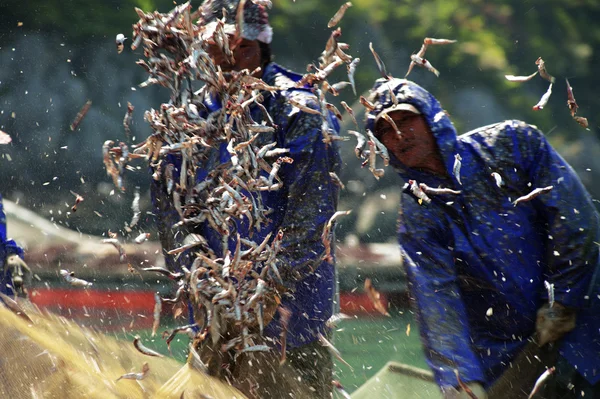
<point x="433" y="284"/>
<point x="572" y="220"/>
<point x="311" y="193"/>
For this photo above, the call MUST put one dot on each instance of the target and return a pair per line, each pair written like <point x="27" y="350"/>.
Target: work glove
<point x="553" y="323"/>
<point x="20" y="273"/>
<point x="475" y="387"/>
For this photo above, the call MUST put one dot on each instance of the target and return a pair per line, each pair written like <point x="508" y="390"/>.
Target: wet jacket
<point x="7" y="248"/>
<point x="468" y="253"/>
<point x="301" y="208"/>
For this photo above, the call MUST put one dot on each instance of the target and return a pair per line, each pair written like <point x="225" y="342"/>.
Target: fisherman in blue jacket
<point x="488" y="273"/>
<point x="301" y="208"/>
<point x="14" y="271"/>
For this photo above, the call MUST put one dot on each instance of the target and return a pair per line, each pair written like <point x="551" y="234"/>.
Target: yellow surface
<point x="399" y="381"/>
<point x="55" y="358"/>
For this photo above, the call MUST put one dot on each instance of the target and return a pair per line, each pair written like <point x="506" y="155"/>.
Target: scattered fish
<point x="550" y="289"/>
<point x="379" y="62"/>
<point x="464" y="386"/>
<point x="78" y="199"/>
<point x="582" y="121"/>
<point x="337" y="17"/>
<point x="520" y="79"/>
<point x="337" y="385"/>
<point x="143" y="350"/>
<point x="497" y="179"/>
<point x="142" y="238"/>
<point x="157" y="312"/>
<point x="80" y="115"/>
<point x="136" y="376"/>
<point x="74" y="281"/>
<point x="117" y="244"/>
<point x="544" y="100"/>
<point x="437" y="191"/>
<point x="333" y="350"/>
<point x="335" y="319"/>
<point x="351" y="70"/>
<point x="541" y="381"/>
<point x="542" y="70"/>
<point x="418" y="192"/>
<point x="571" y="100"/>
<point x="533" y="194"/>
<point x="456" y="167"/>
<point x="375" y="297"/>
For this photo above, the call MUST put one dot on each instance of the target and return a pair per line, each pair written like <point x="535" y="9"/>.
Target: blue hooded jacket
<point x="301" y="208"/>
<point x="467" y="253"/>
<point x="7" y="248"/>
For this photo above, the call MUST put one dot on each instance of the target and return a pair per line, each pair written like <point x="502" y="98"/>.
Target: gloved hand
<point x="475" y="387"/>
<point x="553" y="322"/>
<point x="19" y="272"/>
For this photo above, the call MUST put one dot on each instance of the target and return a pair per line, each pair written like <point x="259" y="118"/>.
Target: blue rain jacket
<point x="467" y="253"/>
<point x="7" y="248"/>
<point x="301" y="208"/>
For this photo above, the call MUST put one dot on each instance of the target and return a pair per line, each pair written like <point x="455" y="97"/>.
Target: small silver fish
<point x="351" y="70"/>
<point x="541" y="380"/>
<point x="550" y="289"/>
<point x="456" y="167"/>
<point x="498" y="179"/>
<point x="143" y="350"/>
<point x="520" y="79"/>
<point x="74" y="281"/>
<point x="422" y="62"/>
<point x="339" y="15"/>
<point x="136" y="376"/>
<point x="544" y="100"/>
<point x="533" y="194"/>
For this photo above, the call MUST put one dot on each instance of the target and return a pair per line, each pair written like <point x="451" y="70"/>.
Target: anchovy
<point x="333" y="350"/>
<point x="74" y="281"/>
<point x="541" y="380"/>
<point x="544" y="100"/>
<point x="438" y="191"/>
<point x="136" y="376"/>
<point x="542" y="70"/>
<point x="351" y="70"/>
<point x="375" y="297"/>
<point x="571" y="100"/>
<point x="337" y="17"/>
<point x="520" y="79"/>
<point x="143" y="350"/>
<point x="533" y="194"/>
<point x="456" y="167"/>
<point x="80" y="115"/>
<point x="464" y="386"/>
<point x="498" y="179"/>
<point x="379" y="62"/>
<point x="418" y="192"/>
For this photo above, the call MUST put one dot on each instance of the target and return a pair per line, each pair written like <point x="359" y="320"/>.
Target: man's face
<point x="415" y="147"/>
<point x="246" y="54"/>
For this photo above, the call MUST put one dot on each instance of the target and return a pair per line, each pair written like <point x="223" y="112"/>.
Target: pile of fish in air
<point x="229" y="294"/>
<point x="571" y="103"/>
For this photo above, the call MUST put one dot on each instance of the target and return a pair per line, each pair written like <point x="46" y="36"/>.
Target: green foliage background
<point x="495" y="37"/>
